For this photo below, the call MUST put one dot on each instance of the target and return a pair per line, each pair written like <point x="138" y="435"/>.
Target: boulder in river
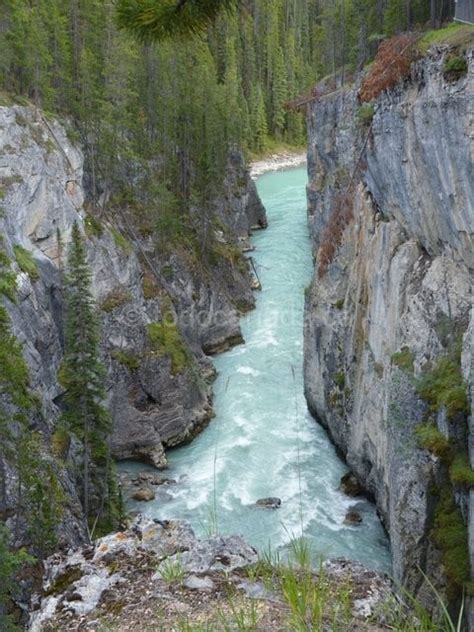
<point x="269" y="503"/>
<point x="144" y="494"/>
<point x="352" y="517"/>
<point x="350" y="485"/>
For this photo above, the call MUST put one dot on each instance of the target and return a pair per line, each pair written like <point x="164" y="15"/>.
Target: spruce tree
<point x="82" y="373"/>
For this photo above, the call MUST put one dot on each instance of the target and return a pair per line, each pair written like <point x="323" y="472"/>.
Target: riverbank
<point x="277" y="162"/>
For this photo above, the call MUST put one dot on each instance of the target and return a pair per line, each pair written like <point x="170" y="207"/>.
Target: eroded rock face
<point x="399" y="284"/>
<point x="154" y="402"/>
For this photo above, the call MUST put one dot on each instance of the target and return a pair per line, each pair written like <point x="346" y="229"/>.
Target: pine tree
<point x="259" y="120"/>
<point x="82" y="373"/>
<point x="150" y="20"/>
<point x="279" y="94"/>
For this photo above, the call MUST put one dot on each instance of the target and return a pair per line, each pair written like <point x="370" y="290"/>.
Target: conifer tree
<point x="82" y="373"/>
<point x="279" y="93"/>
<point x="259" y="120"/>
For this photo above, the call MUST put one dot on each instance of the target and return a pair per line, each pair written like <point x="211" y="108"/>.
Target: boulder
<point x="144" y="494"/>
<point x="202" y="584"/>
<point x="352" y="517"/>
<point x="269" y="503"/>
<point x="350" y="485"/>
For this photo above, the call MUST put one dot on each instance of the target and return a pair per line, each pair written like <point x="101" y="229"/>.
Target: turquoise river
<point x="263" y="441"/>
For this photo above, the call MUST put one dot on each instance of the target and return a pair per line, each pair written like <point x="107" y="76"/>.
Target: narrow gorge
<point x="236" y="388"/>
<point x="262" y="420"/>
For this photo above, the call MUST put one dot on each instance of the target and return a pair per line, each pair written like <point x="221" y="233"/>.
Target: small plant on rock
<point x="365" y="115"/>
<point x="404" y="360"/>
<point x="172" y="570"/>
<point x="25" y="262"/>
<point x="454" y="68"/>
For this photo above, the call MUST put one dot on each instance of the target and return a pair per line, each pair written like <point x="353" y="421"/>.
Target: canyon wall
<point x="394" y="297"/>
<point x="159" y="396"/>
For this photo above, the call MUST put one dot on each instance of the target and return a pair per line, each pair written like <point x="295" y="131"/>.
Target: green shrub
<point x="130" y="360"/>
<point x="461" y="472"/>
<point x="93" y="227"/>
<point x="220" y="252"/>
<point x="430" y="438"/>
<point x="339" y="304"/>
<point x="151" y="289"/>
<point x="166" y="340"/>
<point x="7" y="278"/>
<point x="340" y="379"/>
<point x="8" y="284"/>
<point x="168" y="272"/>
<point x="404" y="360"/>
<point x="450" y="535"/>
<point x="116" y="298"/>
<point x="444" y="387"/>
<point x="25" y="262"/>
<point x="60" y="442"/>
<point x="121" y="241"/>
<point x="454" y="68"/>
<point x="365" y="114"/>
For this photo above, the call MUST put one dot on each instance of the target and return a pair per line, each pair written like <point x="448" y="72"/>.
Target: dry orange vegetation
<point x="391" y="65"/>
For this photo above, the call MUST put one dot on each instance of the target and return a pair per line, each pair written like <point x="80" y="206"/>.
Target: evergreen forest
<point x="163" y="115"/>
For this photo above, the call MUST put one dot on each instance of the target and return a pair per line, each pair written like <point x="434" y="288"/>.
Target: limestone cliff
<point x="395" y="295"/>
<point x="156" y="400"/>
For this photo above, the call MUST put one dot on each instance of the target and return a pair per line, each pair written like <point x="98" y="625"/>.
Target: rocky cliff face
<point x="159" y="396"/>
<point x="396" y="295"/>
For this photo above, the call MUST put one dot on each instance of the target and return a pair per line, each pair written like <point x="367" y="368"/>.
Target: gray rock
<point x="403" y="268"/>
<point x="218" y="554"/>
<point x="202" y="584"/>
<point x="256" y="590"/>
<point x="269" y="503"/>
<point x="144" y="494"/>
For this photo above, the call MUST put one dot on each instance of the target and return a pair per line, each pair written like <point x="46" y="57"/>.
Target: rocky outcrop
<point x="397" y="291"/>
<point x="156" y="574"/>
<point x="159" y="396"/>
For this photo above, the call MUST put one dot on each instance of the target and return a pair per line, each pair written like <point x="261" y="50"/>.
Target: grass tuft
<point x="93" y="227"/>
<point x="430" y="438"/>
<point x="127" y="359"/>
<point x="365" y="114"/>
<point x="444" y="387"/>
<point x="404" y="360"/>
<point x="461" y="472"/>
<point x="172" y="571"/>
<point x="121" y="241"/>
<point x="450" y="534"/>
<point x="25" y="262"/>
<point x="454" y="68"/>
<point x="114" y="299"/>
<point x="166" y="340"/>
<point x="455" y="34"/>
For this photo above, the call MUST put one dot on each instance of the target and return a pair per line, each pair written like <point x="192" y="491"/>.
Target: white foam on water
<point x="247" y="370"/>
